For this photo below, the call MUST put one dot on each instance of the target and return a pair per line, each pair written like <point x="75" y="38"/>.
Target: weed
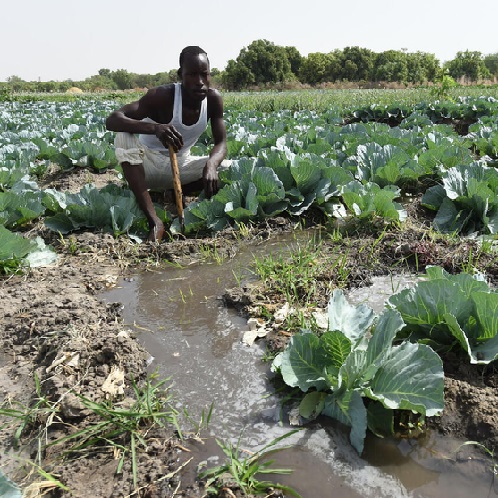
<point x="292" y="276"/>
<point x="243" y="229"/>
<point x="442" y="91"/>
<point x="70" y="243"/>
<point x="40" y="169"/>
<point x="50" y="483"/>
<point x="238" y="278"/>
<point x="211" y="253"/>
<point x="114" y="425"/>
<point x="183" y="296"/>
<point x="12" y="266"/>
<point x="243" y="469"/>
<point x="204" y="421"/>
<point x="268" y="355"/>
<point x="335" y="235"/>
<point x="122" y="427"/>
<point x="299" y="320"/>
<point x="39" y="415"/>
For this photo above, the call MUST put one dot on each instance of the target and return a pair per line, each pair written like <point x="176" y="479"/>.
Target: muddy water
<point x="196" y="341"/>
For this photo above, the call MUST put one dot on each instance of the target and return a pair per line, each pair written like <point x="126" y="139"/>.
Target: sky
<point x="60" y="40"/>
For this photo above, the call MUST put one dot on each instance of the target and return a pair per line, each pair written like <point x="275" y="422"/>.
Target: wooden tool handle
<point x="177" y="184"/>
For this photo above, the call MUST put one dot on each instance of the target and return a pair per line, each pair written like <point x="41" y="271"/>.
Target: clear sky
<point x="64" y="39"/>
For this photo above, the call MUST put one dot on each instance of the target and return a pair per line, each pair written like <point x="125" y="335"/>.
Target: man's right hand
<point x="168" y="135"/>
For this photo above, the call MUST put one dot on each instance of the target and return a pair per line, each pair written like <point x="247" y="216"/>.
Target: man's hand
<point x="168" y="135"/>
<point x="210" y="179"/>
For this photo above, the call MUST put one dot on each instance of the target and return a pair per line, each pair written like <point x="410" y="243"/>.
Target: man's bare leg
<point x="135" y="176"/>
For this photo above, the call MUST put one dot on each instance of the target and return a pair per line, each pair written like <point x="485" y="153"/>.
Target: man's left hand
<point x="210" y="179"/>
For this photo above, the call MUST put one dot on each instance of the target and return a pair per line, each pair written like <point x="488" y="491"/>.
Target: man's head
<point x="191" y="51"/>
<point x="194" y="72"/>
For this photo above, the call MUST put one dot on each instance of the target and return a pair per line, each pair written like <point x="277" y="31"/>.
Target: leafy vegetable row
<point x="366" y="367"/>
<point x="284" y="162"/>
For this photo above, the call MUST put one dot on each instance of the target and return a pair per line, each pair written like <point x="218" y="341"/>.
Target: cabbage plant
<point x="111" y="208"/>
<point x="18" y="252"/>
<point x="467" y="200"/>
<point x="451" y="311"/>
<point x="355" y="374"/>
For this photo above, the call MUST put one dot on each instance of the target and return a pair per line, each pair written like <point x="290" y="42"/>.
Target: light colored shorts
<point x="157" y="165"/>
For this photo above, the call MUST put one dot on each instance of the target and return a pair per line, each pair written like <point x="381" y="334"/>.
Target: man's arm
<point x="129" y="118"/>
<point x="218" y="128"/>
<point x="219" y="150"/>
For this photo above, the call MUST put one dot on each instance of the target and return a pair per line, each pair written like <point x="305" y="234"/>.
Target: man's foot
<point x="156" y="232"/>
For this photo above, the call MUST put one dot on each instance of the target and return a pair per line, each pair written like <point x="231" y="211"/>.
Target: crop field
<point x="286" y="162"/>
<point x="351" y="162"/>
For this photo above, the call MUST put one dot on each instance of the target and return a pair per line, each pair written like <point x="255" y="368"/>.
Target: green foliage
<point x="245" y="469"/>
<point x="441" y="91"/>
<point x="112" y="425"/>
<point x="491" y="63"/>
<point x="25" y="419"/>
<point x="260" y="63"/>
<point x="484" y="139"/>
<point x="371" y="202"/>
<point x="17" y="208"/>
<point x="293" y="275"/>
<point x="265" y="64"/>
<point x="356" y="359"/>
<point x="123" y="428"/>
<point x="286" y="160"/>
<point x="468" y="64"/>
<point x="111" y="208"/>
<point x="451" y="311"/>
<point x="466" y="202"/>
<point x="387" y="165"/>
<point x="391" y="65"/>
<point x="18" y="253"/>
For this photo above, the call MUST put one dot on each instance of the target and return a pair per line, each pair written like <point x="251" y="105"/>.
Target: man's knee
<point x="128" y="148"/>
<point x="125" y="140"/>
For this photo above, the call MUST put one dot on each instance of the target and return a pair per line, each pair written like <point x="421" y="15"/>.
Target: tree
<point x="295" y="59"/>
<point x="262" y="62"/>
<point x="99" y="82"/>
<point x="391" y="65"/>
<point x="468" y="65"/>
<point x="491" y="63"/>
<point x="314" y="68"/>
<point x="358" y="63"/>
<point x="422" y="67"/>
<point x="237" y="76"/>
<point x="14" y="79"/>
<point x="16" y="83"/>
<point x="122" y="78"/>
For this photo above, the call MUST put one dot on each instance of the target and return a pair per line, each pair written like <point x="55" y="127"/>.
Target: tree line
<point x="263" y="64"/>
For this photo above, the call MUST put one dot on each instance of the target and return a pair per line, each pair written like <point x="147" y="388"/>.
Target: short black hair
<point x="191" y="51"/>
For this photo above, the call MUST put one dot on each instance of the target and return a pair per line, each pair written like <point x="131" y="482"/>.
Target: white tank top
<point x="190" y="133"/>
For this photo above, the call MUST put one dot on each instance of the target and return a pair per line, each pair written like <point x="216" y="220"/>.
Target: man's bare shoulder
<point x="213" y="93"/>
<point x="214" y="103"/>
<point x="160" y="94"/>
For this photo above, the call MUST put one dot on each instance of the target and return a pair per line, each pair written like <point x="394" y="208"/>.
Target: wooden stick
<point x="177" y="185"/>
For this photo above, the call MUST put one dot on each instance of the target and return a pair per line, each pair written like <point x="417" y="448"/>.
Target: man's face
<point x="195" y="76"/>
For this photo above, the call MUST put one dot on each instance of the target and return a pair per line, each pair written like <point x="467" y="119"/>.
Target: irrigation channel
<point x="194" y="339"/>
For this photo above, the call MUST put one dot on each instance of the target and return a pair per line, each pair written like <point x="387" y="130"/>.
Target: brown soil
<point x="54" y="327"/>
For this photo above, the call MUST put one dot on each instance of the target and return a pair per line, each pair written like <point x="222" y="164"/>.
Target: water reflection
<point x="168" y="306"/>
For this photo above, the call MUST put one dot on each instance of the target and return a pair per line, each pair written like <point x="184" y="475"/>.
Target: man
<point x="175" y="114"/>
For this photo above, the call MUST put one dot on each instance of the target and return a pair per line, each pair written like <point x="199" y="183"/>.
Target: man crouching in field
<point x="175" y="114"/>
